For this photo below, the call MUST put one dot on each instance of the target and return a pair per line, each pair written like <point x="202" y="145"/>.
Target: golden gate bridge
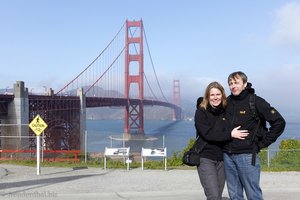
<point x="116" y="77"/>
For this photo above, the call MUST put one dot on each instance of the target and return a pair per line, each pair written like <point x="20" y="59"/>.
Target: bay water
<point x="174" y="135"/>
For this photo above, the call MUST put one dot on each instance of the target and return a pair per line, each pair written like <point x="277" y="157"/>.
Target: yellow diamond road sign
<point x="38" y="125"/>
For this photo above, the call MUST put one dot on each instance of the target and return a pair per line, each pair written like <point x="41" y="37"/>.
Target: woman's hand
<point x="239" y="134"/>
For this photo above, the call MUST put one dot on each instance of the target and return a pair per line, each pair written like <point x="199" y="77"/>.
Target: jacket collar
<point x="244" y="93"/>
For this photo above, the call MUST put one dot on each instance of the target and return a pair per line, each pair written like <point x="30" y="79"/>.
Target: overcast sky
<point x="47" y="43"/>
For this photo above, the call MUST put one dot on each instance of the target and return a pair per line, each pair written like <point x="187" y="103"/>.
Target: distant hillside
<point x="150" y="112"/>
<point x="4" y="91"/>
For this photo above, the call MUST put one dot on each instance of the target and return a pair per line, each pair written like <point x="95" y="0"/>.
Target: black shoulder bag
<point x="192" y="156"/>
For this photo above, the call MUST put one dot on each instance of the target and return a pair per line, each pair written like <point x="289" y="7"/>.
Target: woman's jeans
<point x="212" y="178"/>
<point x="242" y="175"/>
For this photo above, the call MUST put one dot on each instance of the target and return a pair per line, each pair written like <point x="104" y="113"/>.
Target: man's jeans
<point x="241" y="174"/>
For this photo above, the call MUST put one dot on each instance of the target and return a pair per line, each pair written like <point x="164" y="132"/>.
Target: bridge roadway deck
<point x="20" y="182"/>
<point x="90" y="101"/>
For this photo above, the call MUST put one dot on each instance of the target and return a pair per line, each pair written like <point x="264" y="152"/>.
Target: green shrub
<point x="287" y="158"/>
<point x="176" y="159"/>
<point x="263" y="156"/>
<point x="289" y="154"/>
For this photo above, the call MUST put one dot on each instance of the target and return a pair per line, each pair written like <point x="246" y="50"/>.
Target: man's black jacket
<point x="239" y="114"/>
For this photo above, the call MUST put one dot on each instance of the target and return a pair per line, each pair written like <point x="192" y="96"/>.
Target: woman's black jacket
<point x="211" y="128"/>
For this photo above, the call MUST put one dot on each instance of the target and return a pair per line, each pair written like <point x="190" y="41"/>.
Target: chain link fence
<point x="280" y="159"/>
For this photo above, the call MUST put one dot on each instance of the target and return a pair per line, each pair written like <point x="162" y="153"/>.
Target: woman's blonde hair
<point x="218" y="86"/>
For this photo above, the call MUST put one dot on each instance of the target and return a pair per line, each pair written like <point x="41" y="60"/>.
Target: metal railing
<point x="15" y="146"/>
<point x="280" y="158"/>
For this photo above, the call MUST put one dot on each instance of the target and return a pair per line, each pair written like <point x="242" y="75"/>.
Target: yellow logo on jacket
<point x="242" y="112"/>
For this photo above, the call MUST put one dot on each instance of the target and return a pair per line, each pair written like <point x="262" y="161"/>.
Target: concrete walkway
<point x="20" y="182"/>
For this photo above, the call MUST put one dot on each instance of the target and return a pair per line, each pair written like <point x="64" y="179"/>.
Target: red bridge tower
<point x="134" y="112"/>
<point x="176" y="99"/>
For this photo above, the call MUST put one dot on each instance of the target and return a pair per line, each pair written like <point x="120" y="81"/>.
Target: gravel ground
<point x="20" y="182"/>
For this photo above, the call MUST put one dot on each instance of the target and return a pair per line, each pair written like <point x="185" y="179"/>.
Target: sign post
<point x="38" y="126"/>
<point x="38" y="145"/>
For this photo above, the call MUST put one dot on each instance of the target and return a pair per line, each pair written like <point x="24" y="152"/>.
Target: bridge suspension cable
<point x="105" y="71"/>
<point x="97" y="78"/>
<point x="81" y="73"/>
<point x="153" y="69"/>
<point x="144" y="74"/>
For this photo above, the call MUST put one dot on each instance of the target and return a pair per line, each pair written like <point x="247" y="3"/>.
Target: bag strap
<point x="199" y="144"/>
<point x="253" y="109"/>
<point x="257" y="118"/>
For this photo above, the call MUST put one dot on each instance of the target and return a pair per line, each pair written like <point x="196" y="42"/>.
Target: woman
<point x="210" y="123"/>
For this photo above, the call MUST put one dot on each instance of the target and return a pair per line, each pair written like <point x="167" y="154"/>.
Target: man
<point x="242" y="164"/>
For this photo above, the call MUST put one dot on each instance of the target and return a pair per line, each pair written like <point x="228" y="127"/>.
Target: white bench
<point x="117" y="152"/>
<point x="158" y="152"/>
